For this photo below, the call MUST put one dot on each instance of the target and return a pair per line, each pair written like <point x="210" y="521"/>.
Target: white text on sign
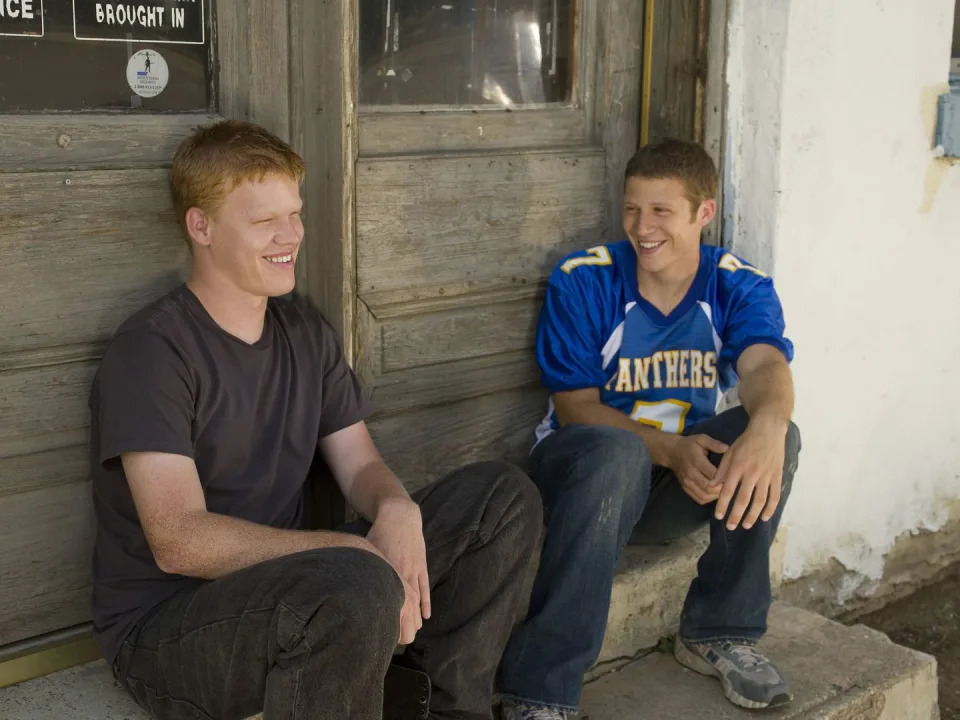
<point x="17" y="9"/>
<point x="148" y="17"/>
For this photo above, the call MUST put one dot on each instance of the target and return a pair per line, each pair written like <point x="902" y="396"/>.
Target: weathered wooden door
<point x="484" y="139"/>
<point x="87" y="131"/>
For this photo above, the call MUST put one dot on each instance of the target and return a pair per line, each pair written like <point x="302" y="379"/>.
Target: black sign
<point x="21" y="17"/>
<point x="180" y="22"/>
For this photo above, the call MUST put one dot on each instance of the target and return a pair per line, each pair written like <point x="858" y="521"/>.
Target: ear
<point x="706" y="213"/>
<point x="198" y="226"/>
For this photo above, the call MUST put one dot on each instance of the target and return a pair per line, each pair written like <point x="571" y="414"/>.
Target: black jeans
<point x="310" y="635"/>
<point x="601" y="491"/>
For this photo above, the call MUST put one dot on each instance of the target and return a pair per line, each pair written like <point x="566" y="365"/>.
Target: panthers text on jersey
<point x="667" y="371"/>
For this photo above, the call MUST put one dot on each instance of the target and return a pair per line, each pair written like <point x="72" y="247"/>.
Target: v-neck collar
<point x="196" y="307"/>
<point x="629" y="270"/>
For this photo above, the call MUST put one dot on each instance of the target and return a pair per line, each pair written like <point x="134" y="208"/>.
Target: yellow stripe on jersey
<point x="595" y="256"/>
<point x="733" y="263"/>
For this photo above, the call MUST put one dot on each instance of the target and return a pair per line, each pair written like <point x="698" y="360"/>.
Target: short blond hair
<point x="215" y="159"/>
<point x="681" y="160"/>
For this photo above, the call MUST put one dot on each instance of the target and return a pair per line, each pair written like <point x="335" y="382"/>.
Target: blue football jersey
<point x="666" y="371"/>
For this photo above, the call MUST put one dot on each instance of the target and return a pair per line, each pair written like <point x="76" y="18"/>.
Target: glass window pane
<point x="151" y="55"/>
<point x="506" y="53"/>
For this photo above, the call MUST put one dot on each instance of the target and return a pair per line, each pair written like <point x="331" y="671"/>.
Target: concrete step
<point x="87" y="692"/>
<point x="648" y="594"/>
<point x="836" y="672"/>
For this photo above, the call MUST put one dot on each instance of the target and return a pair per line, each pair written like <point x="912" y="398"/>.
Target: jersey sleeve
<point x="142" y="399"/>
<point x="569" y="337"/>
<point x="342" y="401"/>
<point x="754" y="315"/>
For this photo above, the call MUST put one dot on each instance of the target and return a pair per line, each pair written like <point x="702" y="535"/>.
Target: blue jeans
<point x="600" y="491"/>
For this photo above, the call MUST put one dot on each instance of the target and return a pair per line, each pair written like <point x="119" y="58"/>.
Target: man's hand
<point x="692" y="467"/>
<point x="754" y="464"/>
<point x="398" y="534"/>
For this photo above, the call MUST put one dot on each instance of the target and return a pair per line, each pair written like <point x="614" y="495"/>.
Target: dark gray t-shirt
<point x="250" y="416"/>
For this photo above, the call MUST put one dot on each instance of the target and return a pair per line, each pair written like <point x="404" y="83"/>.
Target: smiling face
<point x="662" y="224"/>
<point x="252" y="239"/>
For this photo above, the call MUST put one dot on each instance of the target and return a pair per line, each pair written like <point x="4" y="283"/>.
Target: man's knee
<point x="492" y="494"/>
<point x="604" y="464"/>
<point x="518" y="498"/>
<point x="344" y="595"/>
<point x="506" y="483"/>
<point x="725" y="427"/>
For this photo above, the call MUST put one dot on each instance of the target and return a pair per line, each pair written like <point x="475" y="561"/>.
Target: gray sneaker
<point x="522" y="711"/>
<point x="749" y="679"/>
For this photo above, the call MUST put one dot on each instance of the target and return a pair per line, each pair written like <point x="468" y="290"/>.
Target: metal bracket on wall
<point x="947" y="139"/>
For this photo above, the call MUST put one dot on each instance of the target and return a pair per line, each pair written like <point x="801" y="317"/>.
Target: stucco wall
<point x="834" y="187"/>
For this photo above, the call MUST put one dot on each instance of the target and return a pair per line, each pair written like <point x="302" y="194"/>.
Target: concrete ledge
<point x="648" y="594"/>
<point x="837" y="673"/>
<point x="87" y="692"/>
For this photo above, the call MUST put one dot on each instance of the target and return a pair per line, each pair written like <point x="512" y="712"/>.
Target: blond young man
<point x="637" y="342"/>
<point x="209" y="404"/>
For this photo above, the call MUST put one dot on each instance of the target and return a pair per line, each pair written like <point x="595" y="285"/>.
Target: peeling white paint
<point x="831" y="182"/>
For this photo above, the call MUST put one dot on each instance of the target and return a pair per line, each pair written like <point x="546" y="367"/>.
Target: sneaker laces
<point x="535" y="713"/>
<point x="746" y="656"/>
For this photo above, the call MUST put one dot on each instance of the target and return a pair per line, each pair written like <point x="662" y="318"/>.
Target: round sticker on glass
<point x="147" y="73"/>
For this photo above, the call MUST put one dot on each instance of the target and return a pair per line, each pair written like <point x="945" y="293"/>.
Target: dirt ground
<point x="929" y="620"/>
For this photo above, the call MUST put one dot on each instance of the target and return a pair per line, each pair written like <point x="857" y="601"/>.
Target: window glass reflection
<point x="506" y="53"/>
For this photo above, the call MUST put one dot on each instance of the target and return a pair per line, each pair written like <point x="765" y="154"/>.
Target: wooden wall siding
<point x="461" y="369"/>
<point x="715" y="101"/>
<point x="617" y="99"/>
<point x="679" y="70"/>
<point x="252" y="41"/>
<point x="430" y="386"/>
<point x="422" y="445"/>
<point x="104" y="244"/>
<point x="323" y="52"/>
<point x="44" y="408"/>
<point x="46" y="539"/>
<point x="44" y="469"/>
<point x="435" y="226"/>
<point x="470" y="331"/>
<point x="29" y="142"/>
<point x="402" y="133"/>
<point x="84" y="250"/>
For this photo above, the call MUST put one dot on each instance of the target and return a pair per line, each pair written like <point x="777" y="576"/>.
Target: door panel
<point x="472" y="222"/>
<point x="461" y="214"/>
<point x="86" y="249"/>
<point x="46" y="538"/>
<point x="422" y="445"/>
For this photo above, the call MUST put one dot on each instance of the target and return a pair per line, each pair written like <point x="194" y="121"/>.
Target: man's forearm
<point x="767" y="393"/>
<point x="373" y="487"/>
<point x="658" y="443"/>
<point x="208" y="545"/>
